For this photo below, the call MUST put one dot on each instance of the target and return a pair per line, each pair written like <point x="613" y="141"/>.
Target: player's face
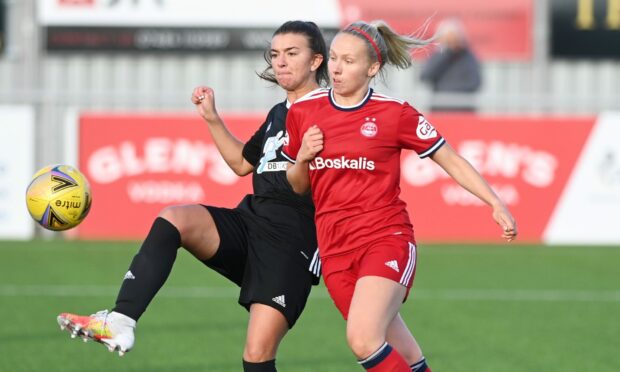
<point x="350" y="67"/>
<point x="293" y="62"/>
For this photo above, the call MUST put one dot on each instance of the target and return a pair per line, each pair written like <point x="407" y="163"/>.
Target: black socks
<point x="149" y="269"/>
<point x="268" y="366"/>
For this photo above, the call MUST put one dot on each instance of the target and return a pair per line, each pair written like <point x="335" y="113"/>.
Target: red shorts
<point x="392" y="257"/>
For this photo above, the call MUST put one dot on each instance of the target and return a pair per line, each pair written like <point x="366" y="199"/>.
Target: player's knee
<point x="362" y="342"/>
<point x="256" y="352"/>
<point x="173" y="214"/>
<point x="180" y="216"/>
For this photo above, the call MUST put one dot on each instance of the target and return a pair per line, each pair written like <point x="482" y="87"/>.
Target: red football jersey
<point x="355" y="178"/>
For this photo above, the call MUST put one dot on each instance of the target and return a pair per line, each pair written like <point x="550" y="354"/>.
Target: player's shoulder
<point x="276" y="110"/>
<point x="384" y="98"/>
<point x="279" y="107"/>
<point x="277" y="115"/>
<point x="310" y="98"/>
<point x="393" y="102"/>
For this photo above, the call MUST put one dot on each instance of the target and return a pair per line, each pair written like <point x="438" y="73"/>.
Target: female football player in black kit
<point x="267" y="245"/>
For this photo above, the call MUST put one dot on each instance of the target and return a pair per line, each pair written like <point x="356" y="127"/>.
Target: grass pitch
<point x="483" y="308"/>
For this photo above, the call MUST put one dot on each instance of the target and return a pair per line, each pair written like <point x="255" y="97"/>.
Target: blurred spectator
<point x="452" y="69"/>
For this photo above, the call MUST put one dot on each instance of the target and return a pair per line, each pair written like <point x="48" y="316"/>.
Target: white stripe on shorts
<point x="410" y="268"/>
<point x="315" y="264"/>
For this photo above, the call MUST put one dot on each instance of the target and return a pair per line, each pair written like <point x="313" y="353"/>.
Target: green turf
<point x="473" y="308"/>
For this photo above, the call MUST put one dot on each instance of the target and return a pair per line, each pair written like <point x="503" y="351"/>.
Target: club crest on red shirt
<point x="369" y="128"/>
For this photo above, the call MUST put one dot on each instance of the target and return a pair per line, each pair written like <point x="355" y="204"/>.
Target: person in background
<point x="266" y="245"/>
<point x="345" y="145"/>
<point x="453" y="71"/>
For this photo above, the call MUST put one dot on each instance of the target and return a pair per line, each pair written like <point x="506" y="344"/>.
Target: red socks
<point x="385" y="360"/>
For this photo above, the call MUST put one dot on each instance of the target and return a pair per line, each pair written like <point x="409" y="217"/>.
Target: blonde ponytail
<point x="394" y="49"/>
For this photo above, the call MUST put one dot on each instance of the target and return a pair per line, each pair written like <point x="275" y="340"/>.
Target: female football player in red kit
<point x="345" y="145"/>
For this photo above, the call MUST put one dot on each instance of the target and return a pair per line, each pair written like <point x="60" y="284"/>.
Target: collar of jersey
<point x="349" y="108"/>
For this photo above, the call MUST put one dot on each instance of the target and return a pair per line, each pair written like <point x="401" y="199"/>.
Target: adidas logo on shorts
<point x="279" y="300"/>
<point x="129" y="275"/>
<point x="393" y="265"/>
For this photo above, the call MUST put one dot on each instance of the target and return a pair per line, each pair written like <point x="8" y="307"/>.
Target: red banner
<point x="498" y="30"/>
<point x="139" y="164"/>
<point x="526" y="160"/>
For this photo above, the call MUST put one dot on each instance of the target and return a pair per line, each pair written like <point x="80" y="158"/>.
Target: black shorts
<point x="254" y="255"/>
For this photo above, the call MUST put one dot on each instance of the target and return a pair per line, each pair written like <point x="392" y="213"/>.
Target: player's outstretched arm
<point x="227" y="144"/>
<point x="298" y="174"/>
<point x="468" y="177"/>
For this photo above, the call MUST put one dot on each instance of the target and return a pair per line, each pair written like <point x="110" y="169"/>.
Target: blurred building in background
<point x="64" y="64"/>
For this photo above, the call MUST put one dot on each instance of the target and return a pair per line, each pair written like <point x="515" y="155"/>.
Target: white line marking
<point x="549" y="295"/>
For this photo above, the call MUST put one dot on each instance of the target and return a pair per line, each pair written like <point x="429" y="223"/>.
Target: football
<point x="58" y="197"/>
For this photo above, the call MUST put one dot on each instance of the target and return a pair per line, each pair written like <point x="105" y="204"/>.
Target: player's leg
<point x="174" y="227"/>
<point x="386" y="271"/>
<point x="275" y="290"/>
<point x="197" y="229"/>
<point x="395" y="258"/>
<point x="147" y="273"/>
<point x="266" y="328"/>
<point x="399" y="336"/>
<point x="375" y="304"/>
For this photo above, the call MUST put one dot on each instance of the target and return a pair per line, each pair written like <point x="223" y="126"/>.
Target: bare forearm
<point x="229" y="146"/>
<point x="465" y="174"/>
<point x="298" y="176"/>
<point x="469" y="178"/>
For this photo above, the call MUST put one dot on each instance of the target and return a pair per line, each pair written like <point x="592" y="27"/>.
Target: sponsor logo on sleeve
<point x="425" y="129"/>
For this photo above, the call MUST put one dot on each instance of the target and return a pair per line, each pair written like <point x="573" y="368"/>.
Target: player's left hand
<point x="506" y="221"/>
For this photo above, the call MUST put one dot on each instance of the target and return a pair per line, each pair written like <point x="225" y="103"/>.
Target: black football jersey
<point x="263" y="151"/>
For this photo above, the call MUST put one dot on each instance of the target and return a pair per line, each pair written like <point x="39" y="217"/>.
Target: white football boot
<point x="114" y="330"/>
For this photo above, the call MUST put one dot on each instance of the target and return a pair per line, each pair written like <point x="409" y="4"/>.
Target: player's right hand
<point x="311" y="144"/>
<point x="204" y="99"/>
